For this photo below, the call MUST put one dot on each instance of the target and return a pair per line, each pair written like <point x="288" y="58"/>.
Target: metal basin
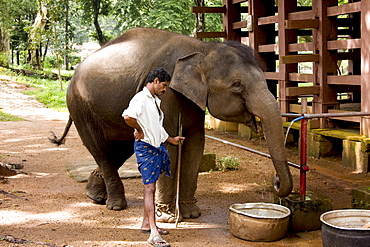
<point x="344" y="228"/>
<point x="259" y="221"/>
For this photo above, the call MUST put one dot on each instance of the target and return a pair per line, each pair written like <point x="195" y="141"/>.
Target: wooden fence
<point x="321" y="52"/>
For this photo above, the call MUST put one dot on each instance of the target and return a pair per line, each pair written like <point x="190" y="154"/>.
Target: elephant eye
<point x="237" y="86"/>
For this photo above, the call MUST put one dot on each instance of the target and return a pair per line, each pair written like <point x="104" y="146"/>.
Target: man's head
<point x="157" y="81"/>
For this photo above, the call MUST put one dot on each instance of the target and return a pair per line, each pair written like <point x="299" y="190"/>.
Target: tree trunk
<point x="4" y="48"/>
<point x="58" y="62"/>
<point x="99" y="33"/>
<point x="36" y="36"/>
<point x="66" y="62"/>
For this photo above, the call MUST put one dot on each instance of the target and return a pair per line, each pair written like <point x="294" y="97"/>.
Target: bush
<point x="4" y="59"/>
<point x="51" y="61"/>
<point x="228" y="163"/>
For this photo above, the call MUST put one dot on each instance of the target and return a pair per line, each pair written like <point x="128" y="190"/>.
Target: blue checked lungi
<point x="152" y="161"/>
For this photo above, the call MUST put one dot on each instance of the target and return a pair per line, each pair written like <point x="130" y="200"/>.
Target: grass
<point x="228" y="163"/>
<point x="7" y="117"/>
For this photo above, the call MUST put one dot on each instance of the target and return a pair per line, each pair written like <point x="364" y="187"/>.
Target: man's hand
<point x="138" y="133"/>
<point x="175" y="140"/>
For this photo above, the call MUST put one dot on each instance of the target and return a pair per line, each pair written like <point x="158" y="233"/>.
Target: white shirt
<point x="143" y="108"/>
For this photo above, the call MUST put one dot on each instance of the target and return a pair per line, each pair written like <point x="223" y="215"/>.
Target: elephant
<point x="223" y="77"/>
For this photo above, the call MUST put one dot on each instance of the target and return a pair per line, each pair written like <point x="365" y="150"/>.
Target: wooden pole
<point x="365" y="66"/>
<point x="178" y="173"/>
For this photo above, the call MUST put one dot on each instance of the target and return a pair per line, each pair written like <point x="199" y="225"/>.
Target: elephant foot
<point x="117" y="204"/>
<point x="95" y="188"/>
<point x="189" y="209"/>
<point x="166" y="213"/>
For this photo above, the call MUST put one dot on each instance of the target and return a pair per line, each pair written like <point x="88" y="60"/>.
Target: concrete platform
<point x="80" y="169"/>
<point x="353" y="147"/>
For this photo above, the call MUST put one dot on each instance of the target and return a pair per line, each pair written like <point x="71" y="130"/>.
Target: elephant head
<point x="228" y="81"/>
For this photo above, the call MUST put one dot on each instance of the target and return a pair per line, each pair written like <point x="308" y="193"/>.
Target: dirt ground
<point x="46" y="207"/>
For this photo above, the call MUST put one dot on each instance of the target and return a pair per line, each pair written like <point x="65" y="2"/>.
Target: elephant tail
<point x="61" y="140"/>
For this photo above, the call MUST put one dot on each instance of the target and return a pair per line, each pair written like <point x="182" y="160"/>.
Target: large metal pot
<point x="259" y="221"/>
<point x="344" y="228"/>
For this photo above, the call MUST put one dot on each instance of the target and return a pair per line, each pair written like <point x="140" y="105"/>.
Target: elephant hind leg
<point x="104" y="185"/>
<point x="95" y="188"/>
<point x="119" y="152"/>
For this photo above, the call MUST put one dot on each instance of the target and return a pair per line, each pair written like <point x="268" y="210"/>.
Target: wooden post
<point x="232" y="14"/>
<point x="263" y="35"/>
<point x="365" y="67"/>
<point x="286" y="36"/>
<point x="327" y="64"/>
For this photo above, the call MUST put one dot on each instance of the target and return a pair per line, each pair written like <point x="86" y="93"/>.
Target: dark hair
<point x="249" y="55"/>
<point x="159" y="73"/>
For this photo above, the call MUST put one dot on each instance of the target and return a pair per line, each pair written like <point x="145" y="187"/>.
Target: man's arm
<point x="175" y="140"/>
<point x="132" y="122"/>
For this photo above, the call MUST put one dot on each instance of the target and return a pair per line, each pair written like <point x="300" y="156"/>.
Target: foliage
<point x="15" y="16"/>
<point x="228" y="163"/>
<point x="4" y="59"/>
<point x="213" y="21"/>
<point x="50" y="62"/>
<point x="8" y="117"/>
<point x="162" y="14"/>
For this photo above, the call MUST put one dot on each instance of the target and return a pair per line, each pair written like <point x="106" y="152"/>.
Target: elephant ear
<point x="187" y="79"/>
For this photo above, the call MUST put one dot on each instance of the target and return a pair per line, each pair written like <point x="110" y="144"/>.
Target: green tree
<point x="91" y="11"/>
<point x="162" y="14"/>
<point x="15" y="16"/>
<point x="213" y="22"/>
<point x="36" y="33"/>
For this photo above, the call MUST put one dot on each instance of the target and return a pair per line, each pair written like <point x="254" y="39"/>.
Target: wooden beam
<point x="302" y="15"/>
<point x="206" y="35"/>
<point x="301" y="47"/>
<point x="240" y="24"/>
<point x="296" y="91"/>
<point x="300" y="77"/>
<point x="297" y="108"/>
<point x="344" y="44"/>
<point x="203" y="10"/>
<point x="268" y="48"/>
<point x="267" y="20"/>
<point x="301" y="24"/>
<point x="238" y="1"/>
<point x="345" y="8"/>
<point x="344" y="80"/>
<point x="272" y="76"/>
<point x="289" y="59"/>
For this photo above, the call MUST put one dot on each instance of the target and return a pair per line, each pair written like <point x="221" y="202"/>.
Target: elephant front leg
<point x="190" y="162"/>
<point x="167" y="188"/>
<point x="165" y="200"/>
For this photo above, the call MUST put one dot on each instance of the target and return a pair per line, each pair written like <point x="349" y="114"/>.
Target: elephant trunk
<point x="270" y="115"/>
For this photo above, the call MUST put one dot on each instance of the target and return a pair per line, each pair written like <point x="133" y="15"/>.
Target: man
<point x="146" y="117"/>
